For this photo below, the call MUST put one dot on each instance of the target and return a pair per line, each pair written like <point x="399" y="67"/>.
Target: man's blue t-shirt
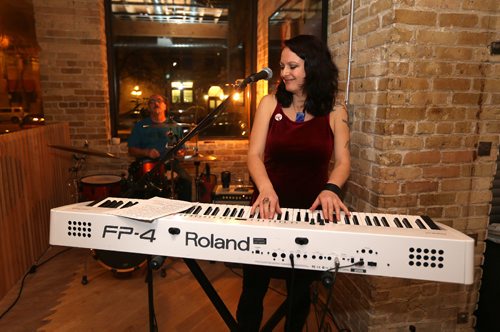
<point x="147" y="134"/>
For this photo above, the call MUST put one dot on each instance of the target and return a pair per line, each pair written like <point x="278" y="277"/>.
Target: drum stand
<point x="172" y="180"/>
<point x="197" y="158"/>
<point x="72" y="182"/>
<point x="197" y="179"/>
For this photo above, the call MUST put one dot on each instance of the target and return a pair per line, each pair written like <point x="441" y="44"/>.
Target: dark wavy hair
<point x="321" y="82"/>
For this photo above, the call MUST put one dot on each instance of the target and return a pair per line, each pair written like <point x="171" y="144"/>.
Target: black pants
<point x="255" y="283"/>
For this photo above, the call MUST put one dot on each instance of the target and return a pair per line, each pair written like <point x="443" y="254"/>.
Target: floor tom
<point x="119" y="262"/>
<point x="98" y="187"/>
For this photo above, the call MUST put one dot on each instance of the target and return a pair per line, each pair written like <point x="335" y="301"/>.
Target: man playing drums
<point x="150" y="138"/>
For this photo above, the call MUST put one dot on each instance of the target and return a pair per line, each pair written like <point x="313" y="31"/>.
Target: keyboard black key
<point x="129" y="203"/>
<point x="355" y="220"/>
<point x="241" y="213"/>
<point x="384" y="222"/>
<point x="105" y="204"/>
<point x="216" y="210"/>
<point x="94" y="202"/>
<point x="117" y="204"/>
<point x="207" y="211"/>
<point x="397" y="222"/>
<point x="368" y="221"/>
<point x="188" y="211"/>
<point x="112" y="204"/>
<point x="320" y="219"/>
<point x="226" y="212"/>
<point x="347" y="220"/>
<point x="419" y="224"/>
<point x="430" y="223"/>
<point x="375" y="221"/>
<point x="197" y="209"/>
<point x="407" y="223"/>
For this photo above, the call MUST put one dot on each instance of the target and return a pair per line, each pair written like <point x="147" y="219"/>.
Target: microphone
<point x="264" y="74"/>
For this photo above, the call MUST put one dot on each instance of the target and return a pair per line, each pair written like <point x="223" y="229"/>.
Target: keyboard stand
<point x="221" y="306"/>
<point x="149" y="278"/>
<point x="275" y="318"/>
<point x="212" y="294"/>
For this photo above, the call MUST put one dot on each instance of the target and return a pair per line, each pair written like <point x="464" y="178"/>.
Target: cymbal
<point x="185" y="124"/>
<point x="84" y="151"/>
<point x="199" y="157"/>
<point x="169" y="125"/>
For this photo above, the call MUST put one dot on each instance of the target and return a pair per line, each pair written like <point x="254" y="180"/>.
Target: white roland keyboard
<point x="366" y="243"/>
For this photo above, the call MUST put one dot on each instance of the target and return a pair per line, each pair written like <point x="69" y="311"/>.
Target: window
<point x="180" y="51"/>
<point x="293" y="18"/>
<point x="20" y="90"/>
<point x="182" y="92"/>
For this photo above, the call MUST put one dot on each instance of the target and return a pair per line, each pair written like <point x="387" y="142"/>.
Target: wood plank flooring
<point x="54" y="299"/>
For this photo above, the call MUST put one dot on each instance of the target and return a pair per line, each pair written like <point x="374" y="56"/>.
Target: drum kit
<point x="99" y="186"/>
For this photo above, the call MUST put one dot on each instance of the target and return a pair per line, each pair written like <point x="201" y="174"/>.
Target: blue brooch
<point x="299" y="116"/>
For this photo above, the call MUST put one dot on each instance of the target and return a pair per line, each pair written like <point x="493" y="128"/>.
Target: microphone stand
<point x="145" y="181"/>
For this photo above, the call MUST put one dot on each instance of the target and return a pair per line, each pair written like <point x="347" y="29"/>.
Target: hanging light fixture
<point x="4" y="41"/>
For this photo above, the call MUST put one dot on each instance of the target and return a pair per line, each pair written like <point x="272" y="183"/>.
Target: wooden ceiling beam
<point x="156" y="29"/>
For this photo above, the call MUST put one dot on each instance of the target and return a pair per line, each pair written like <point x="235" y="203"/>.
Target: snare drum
<point x="138" y="168"/>
<point x="97" y="187"/>
<point x="119" y="262"/>
<point x="147" y="166"/>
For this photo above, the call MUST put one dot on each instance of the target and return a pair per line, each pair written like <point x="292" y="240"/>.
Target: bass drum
<point x="119" y="262"/>
<point x="98" y="187"/>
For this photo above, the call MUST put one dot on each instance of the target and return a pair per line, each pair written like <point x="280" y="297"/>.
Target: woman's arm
<point x="330" y="202"/>
<point x="267" y="202"/>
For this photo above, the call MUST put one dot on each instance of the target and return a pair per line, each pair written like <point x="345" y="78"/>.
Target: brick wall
<point x="73" y="67"/>
<point x="424" y="94"/>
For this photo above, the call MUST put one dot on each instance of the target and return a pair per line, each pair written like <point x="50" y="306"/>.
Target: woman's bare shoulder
<point x="268" y="103"/>
<point x="269" y="100"/>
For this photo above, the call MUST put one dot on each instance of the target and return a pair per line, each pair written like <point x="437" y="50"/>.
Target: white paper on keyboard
<point x="151" y="209"/>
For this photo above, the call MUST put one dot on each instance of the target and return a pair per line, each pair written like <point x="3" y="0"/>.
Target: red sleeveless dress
<point x="297" y="158"/>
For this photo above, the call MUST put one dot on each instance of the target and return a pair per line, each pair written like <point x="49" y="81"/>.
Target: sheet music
<point x="151" y="209"/>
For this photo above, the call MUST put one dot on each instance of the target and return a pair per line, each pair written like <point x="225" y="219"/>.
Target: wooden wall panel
<point x="32" y="181"/>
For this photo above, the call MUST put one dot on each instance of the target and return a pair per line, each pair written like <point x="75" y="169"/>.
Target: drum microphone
<point x="157" y="262"/>
<point x="264" y="74"/>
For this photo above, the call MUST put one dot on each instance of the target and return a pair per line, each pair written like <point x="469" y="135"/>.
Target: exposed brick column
<point x="265" y="9"/>
<point x="424" y="94"/>
<point x="73" y="67"/>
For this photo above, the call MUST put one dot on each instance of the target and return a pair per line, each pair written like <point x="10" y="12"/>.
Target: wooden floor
<point x="54" y="299"/>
